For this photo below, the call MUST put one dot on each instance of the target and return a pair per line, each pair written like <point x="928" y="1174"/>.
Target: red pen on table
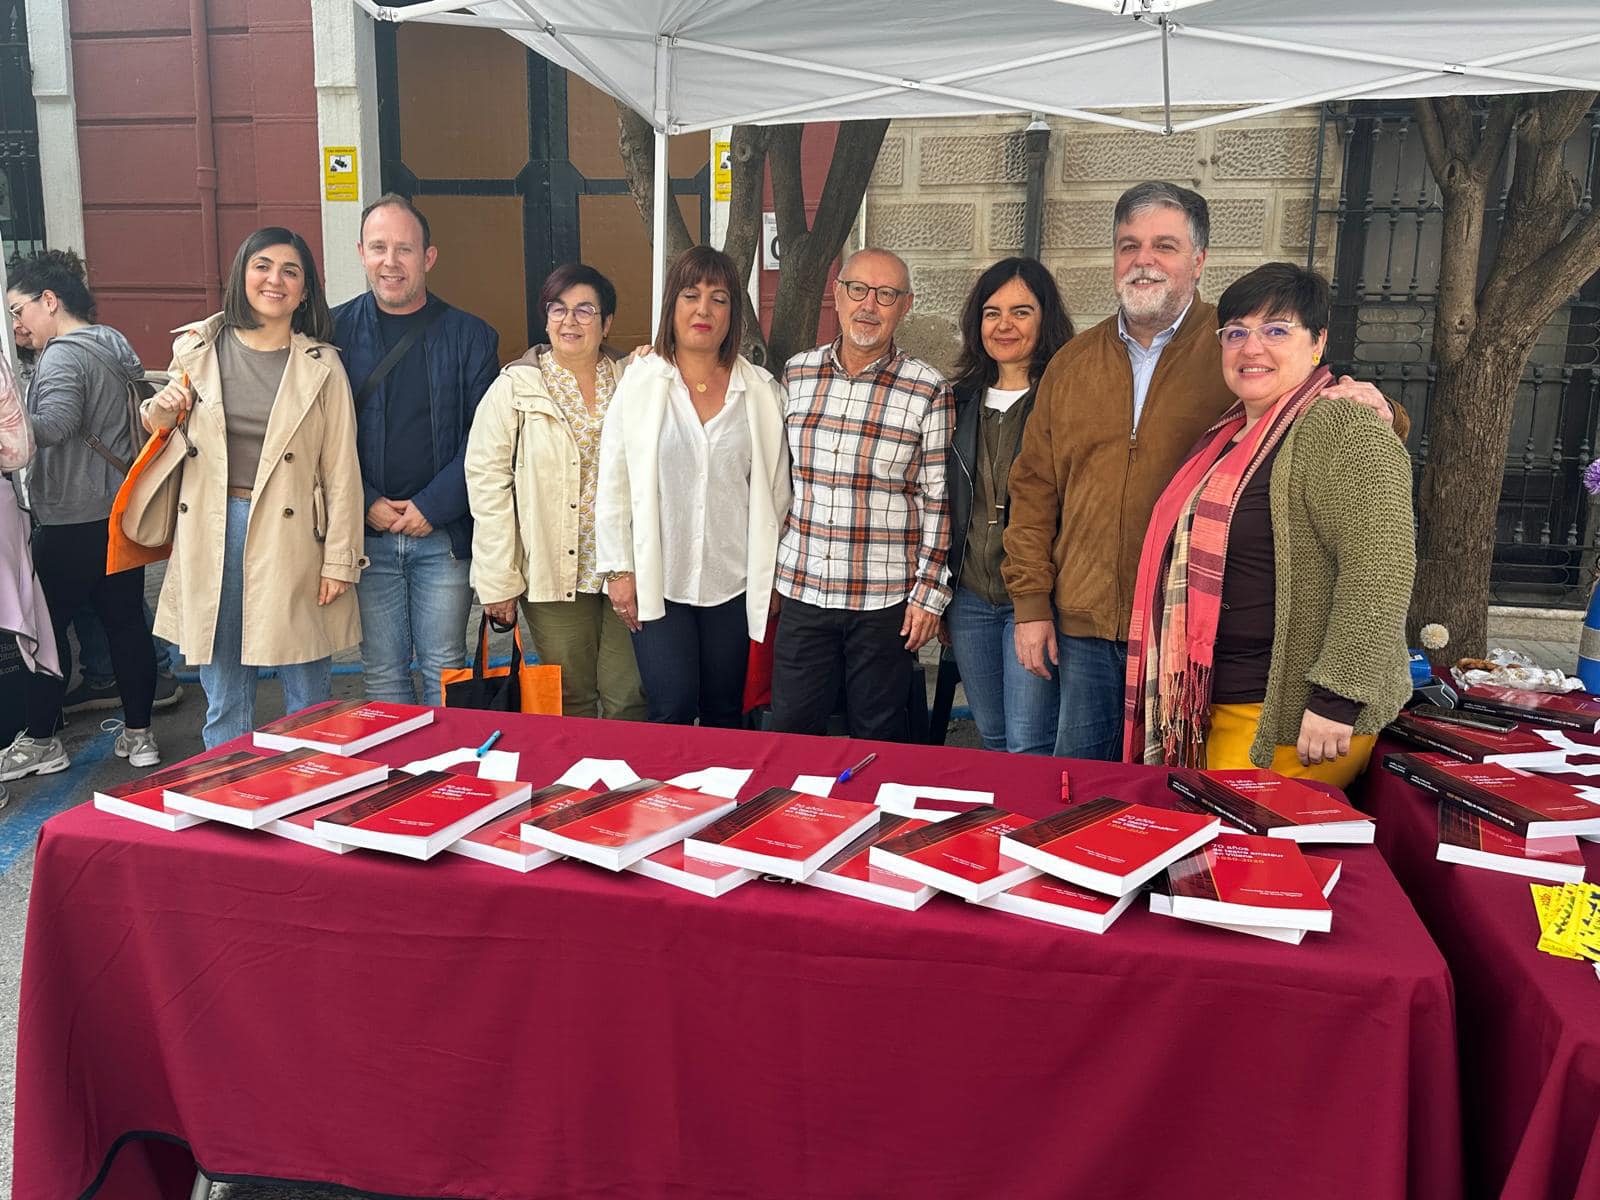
<point x="1066" y="789"/>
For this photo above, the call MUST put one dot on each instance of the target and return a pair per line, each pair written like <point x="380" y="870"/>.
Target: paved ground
<point x="178" y="729"/>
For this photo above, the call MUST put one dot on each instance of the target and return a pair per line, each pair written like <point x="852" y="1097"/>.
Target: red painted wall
<point x="134" y="80"/>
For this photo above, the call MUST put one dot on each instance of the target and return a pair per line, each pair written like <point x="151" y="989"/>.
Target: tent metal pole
<point x="427" y="8"/>
<point x="1483" y="69"/>
<point x="1166" y="78"/>
<point x="1000" y="102"/>
<point x="663" y="194"/>
<point x="560" y="38"/>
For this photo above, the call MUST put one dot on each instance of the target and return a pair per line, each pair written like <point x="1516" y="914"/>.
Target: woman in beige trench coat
<point x="269" y="533"/>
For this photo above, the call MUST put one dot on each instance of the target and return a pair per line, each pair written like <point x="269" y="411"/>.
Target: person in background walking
<point x="532" y="466"/>
<point x="268" y="539"/>
<point x="1013" y="322"/>
<point x="78" y="404"/>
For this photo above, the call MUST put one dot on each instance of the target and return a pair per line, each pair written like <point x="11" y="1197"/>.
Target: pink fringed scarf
<point x="1177" y="598"/>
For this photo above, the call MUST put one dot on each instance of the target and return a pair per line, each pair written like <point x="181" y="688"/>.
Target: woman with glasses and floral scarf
<point x="533" y="458"/>
<point x="1269" y="614"/>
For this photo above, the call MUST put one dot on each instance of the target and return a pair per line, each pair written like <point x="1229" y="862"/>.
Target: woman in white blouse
<point x="694" y="489"/>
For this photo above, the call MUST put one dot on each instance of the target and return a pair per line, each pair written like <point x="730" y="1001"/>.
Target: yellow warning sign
<point x="722" y="172"/>
<point x="339" y="179"/>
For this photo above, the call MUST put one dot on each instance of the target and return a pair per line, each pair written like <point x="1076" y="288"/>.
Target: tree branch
<point x="788" y="185"/>
<point x="637" y="142"/>
<point x="748" y="151"/>
<point x="855" y="153"/>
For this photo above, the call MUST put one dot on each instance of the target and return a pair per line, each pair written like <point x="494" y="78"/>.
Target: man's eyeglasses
<point x="1272" y="333"/>
<point x="583" y="314"/>
<point x="887" y="296"/>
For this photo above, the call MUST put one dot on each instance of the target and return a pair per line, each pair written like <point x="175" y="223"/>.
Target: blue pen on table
<point x="850" y="773"/>
<point x="488" y="742"/>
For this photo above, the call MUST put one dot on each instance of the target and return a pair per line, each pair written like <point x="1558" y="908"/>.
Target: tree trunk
<point x="637" y="142"/>
<point x="1469" y="424"/>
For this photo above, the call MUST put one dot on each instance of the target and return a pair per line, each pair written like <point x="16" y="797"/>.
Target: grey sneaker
<point x="87" y="696"/>
<point x="168" y="690"/>
<point x="33" y="756"/>
<point x="138" y="746"/>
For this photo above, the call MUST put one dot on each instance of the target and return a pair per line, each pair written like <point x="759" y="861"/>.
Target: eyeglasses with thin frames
<point x="16" y="309"/>
<point x="1271" y="333"/>
<point x="583" y="314"/>
<point x="887" y="296"/>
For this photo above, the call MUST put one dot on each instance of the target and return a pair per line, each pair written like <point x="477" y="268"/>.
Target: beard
<point x="864" y="336"/>
<point x="1145" y="303"/>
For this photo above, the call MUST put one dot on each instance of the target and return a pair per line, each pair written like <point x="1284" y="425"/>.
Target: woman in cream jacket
<point x="532" y="463"/>
<point x="694" y="489"/>
<point x="269" y="532"/>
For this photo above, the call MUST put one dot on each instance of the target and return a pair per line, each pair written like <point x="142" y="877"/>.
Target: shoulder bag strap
<point x="392" y="359"/>
<point x="89" y="439"/>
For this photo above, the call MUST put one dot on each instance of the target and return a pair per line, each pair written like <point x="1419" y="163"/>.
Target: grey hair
<point x="1155" y="193"/>
<point x="905" y="271"/>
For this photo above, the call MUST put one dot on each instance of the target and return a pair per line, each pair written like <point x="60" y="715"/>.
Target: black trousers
<point x="815" y="646"/>
<point x="692" y="663"/>
<point x="70" y="561"/>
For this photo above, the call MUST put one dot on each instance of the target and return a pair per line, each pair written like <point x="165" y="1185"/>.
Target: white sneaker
<point x="33" y="756"/>
<point x="138" y="746"/>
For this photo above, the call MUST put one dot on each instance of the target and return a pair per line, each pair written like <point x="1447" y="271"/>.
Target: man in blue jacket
<point x="417" y="368"/>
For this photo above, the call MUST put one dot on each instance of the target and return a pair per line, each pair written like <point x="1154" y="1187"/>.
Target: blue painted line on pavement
<point x="65" y="790"/>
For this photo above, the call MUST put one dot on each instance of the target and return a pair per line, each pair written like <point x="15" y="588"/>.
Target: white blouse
<point x="705" y="498"/>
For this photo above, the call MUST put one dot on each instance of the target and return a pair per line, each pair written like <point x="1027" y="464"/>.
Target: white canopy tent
<point x="692" y="65"/>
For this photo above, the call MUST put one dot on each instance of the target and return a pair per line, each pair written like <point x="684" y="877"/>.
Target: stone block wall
<point x="948" y="196"/>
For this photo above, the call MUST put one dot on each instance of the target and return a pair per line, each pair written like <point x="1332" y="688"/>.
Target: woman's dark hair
<point x="1278" y="288"/>
<point x="701" y="264"/>
<point x="571" y="275"/>
<point x="310" y="318"/>
<point x="58" y="271"/>
<point x="975" y="369"/>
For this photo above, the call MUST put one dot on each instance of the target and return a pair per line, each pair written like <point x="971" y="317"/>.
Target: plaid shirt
<point x="869" y="526"/>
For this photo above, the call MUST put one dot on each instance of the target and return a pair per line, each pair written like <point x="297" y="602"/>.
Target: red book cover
<point x="1526" y="804"/>
<point x="619" y="827"/>
<point x="783" y="832"/>
<point x="672" y="865"/>
<point x="1570" y="710"/>
<point x="963" y="854"/>
<point x="418" y="815"/>
<point x="1324" y="870"/>
<point x="1110" y="845"/>
<point x="851" y="872"/>
<point x="141" y="799"/>
<point x="1468" y="839"/>
<point x="343" y="726"/>
<point x="1060" y="903"/>
<point x="1249" y="880"/>
<point x="254" y="793"/>
<point x="1519" y="747"/>
<point x="1271" y="805"/>
<point x="500" y="840"/>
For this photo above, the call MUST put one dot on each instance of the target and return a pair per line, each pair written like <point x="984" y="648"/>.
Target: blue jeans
<point x="1093" y="682"/>
<point x="94" y="652"/>
<point x="1014" y="709"/>
<point x="231" y="686"/>
<point x="414" y="596"/>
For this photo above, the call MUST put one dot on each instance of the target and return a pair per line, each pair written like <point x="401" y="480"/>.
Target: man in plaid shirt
<point x="861" y="564"/>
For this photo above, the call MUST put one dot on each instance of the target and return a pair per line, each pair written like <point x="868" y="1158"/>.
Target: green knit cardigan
<point x="1344" y="548"/>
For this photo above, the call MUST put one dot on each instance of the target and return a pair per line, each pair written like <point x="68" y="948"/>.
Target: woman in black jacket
<point x="1012" y="323"/>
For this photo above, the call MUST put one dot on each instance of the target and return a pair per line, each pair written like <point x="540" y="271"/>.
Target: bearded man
<point x="1118" y="409"/>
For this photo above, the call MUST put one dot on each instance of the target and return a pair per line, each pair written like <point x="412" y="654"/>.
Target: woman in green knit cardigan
<point x="1269" y="614"/>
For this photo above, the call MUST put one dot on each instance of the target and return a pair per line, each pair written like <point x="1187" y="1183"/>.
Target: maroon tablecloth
<point x="1529" y="1023"/>
<point x="455" y="1029"/>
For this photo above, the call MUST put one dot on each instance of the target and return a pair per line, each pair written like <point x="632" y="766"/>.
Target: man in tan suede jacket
<point x="1118" y="409"/>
